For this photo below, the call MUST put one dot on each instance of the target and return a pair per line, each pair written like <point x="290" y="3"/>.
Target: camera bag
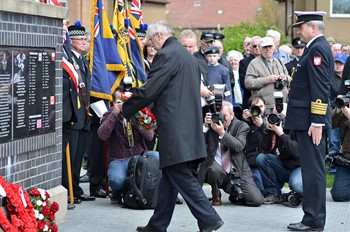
<point x="141" y="186"/>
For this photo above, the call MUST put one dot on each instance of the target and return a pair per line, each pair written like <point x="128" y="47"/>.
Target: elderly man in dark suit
<point x="76" y="100"/>
<point x="308" y="114"/>
<point x="174" y="87"/>
<point x="226" y="163"/>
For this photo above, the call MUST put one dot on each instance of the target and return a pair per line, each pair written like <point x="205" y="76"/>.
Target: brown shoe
<point x="216" y="201"/>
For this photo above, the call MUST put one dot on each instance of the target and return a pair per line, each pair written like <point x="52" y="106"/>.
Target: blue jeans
<point x="274" y="175"/>
<point x="258" y="181"/>
<point x="334" y="140"/>
<point x="117" y="171"/>
<point x="333" y="146"/>
<point x="341" y="185"/>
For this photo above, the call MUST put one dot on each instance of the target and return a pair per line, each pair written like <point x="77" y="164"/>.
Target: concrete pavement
<point x="102" y="216"/>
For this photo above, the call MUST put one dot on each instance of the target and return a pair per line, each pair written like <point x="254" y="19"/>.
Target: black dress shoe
<point x="85" y="197"/>
<point x="144" y="229"/>
<point x="99" y="193"/>
<point x="70" y="206"/>
<point x="215" y="227"/>
<point x="85" y="178"/>
<point x="75" y="201"/>
<point x="301" y="227"/>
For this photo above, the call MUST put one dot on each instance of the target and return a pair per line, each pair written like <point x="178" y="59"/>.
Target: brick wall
<point x="37" y="160"/>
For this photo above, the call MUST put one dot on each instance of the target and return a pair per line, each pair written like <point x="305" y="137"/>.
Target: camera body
<point x="215" y="102"/>
<point x="338" y="160"/>
<point x="233" y="186"/>
<point x="343" y="100"/>
<point x="277" y="118"/>
<point x="280" y="84"/>
<point x="291" y="199"/>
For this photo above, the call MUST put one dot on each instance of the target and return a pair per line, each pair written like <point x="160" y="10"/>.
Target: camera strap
<point x="273" y="142"/>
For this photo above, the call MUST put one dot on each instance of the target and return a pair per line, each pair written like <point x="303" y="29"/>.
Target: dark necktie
<point x="82" y="63"/>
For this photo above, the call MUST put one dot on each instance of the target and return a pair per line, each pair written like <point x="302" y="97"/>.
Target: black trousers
<point x="179" y="178"/>
<point x="77" y="142"/>
<point x="218" y="178"/>
<point x="96" y="159"/>
<point x="312" y="162"/>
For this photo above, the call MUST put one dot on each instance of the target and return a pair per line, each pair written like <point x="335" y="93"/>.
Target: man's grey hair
<point x="229" y="105"/>
<point x="274" y="34"/>
<point x="161" y="27"/>
<point x="188" y="33"/>
<point x="318" y="24"/>
<point x="253" y="39"/>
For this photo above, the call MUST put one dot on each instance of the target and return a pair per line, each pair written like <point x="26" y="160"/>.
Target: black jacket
<point x="174" y="88"/>
<point x="251" y="149"/>
<point x="286" y="145"/>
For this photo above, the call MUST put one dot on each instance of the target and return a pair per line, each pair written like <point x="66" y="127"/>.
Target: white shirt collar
<point x="308" y="44"/>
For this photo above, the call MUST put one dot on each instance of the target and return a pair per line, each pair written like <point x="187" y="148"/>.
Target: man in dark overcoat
<point x="308" y="114"/>
<point x="174" y="88"/>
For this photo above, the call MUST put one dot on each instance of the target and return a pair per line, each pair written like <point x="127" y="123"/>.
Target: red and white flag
<point x="55" y="2"/>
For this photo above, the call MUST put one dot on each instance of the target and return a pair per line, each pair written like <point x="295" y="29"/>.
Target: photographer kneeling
<point x="341" y="186"/>
<point x="278" y="169"/>
<point x="226" y="166"/>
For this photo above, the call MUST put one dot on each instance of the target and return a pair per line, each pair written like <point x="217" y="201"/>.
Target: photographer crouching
<point x="341" y="119"/>
<point x="279" y="164"/>
<point x="226" y="167"/>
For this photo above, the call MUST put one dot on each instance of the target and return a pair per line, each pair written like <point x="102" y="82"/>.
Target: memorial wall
<point x="31" y="93"/>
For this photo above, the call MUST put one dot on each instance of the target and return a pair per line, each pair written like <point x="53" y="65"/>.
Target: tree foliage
<point x="266" y="18"/>
<point x="235" y="34"/>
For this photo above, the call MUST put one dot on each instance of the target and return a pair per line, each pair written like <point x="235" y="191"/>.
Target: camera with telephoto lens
<point x="291" y="199"/>
<point x="233" y="186"/>
<point x="215" y="103"/>
<point x="277" y="118"/>
<point x="338" y="159"/>
<point x="280" y="84"/>
<point x="255" y="111"/>
<point x="343" y="100"/>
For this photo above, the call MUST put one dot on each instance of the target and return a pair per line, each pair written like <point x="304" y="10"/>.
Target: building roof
<point x="155" y="1"/>
<point x="203" y="14"/>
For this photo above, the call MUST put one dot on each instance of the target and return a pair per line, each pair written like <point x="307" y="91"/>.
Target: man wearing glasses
<point x="76" y="114"/>
<point x="243" y="65"/>
<point x="267" y="75"/>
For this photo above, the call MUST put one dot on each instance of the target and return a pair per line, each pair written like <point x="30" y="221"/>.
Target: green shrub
<point x="235" y="34"/>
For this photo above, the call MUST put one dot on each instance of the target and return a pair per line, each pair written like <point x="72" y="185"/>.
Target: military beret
<point x="212" y="50"/>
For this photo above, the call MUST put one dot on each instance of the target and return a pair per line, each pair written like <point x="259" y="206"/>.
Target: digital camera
<point x="255" y="111"/>
<point x="343" y="100"/>
<point x="277" y="118"/>
<point x="280" y="84"/>
<point x="215" y="103"/>
<point x="233" y="186"/>
<point x="291" y="199"/>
